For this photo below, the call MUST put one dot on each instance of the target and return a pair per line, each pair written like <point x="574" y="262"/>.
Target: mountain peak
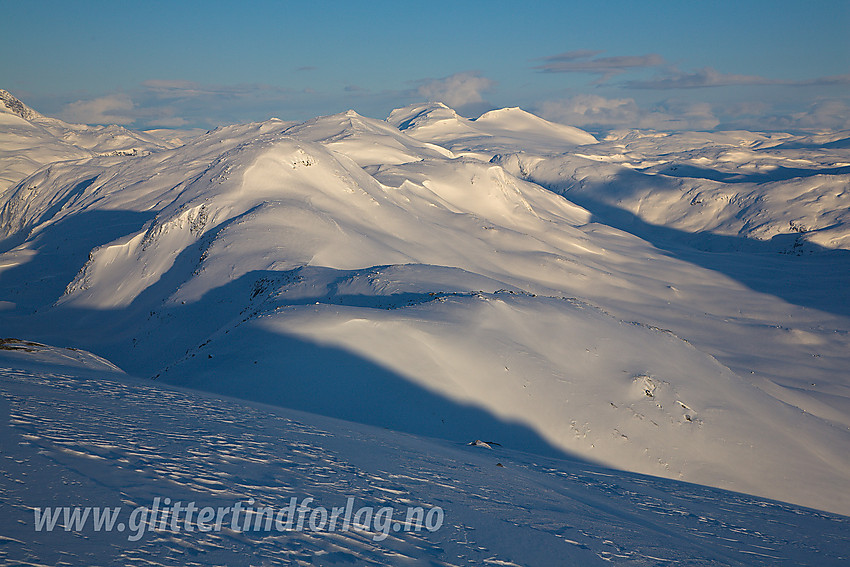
<point x="9" y="103"/>
<point x="516" y="120"/>
<point x="420" y="114"/>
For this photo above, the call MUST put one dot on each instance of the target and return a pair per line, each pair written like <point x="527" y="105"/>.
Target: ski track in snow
<point x="95" y="441"/>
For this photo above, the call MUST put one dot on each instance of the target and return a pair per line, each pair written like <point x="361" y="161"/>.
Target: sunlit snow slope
<point x="421" y="274"/>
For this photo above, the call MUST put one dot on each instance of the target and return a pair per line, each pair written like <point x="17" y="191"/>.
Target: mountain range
<point x="665" y="304"/>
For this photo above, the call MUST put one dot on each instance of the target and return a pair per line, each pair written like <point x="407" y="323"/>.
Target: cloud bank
<point x="174" y="103"/>
<point x="586" y="61"/>
<point x="605" y="104"/>
<point x="599" y="113"/>
<point x="464" y="92"/>
<point x="708" y="77"/>
<point x="110" y="109"/>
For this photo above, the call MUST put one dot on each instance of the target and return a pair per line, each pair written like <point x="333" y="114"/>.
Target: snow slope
<point x="84" y="435"/>
<point x="407" y="279"/>
<point x="737" y="184"/>
<point x="792" y="189"/>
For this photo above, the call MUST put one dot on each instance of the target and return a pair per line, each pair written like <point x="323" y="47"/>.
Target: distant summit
<point x="494" y="132"/>
<point x="8" y="103"/>
<point x="47" y="140"/>
<point x="514" y="120"/>
<point x="421" y="115"/>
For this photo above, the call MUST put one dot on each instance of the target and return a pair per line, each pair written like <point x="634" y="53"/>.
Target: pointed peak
<point x="9" y="103"/>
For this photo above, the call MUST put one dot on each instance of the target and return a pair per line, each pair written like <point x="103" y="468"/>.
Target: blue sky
<point x="771" y="65"/>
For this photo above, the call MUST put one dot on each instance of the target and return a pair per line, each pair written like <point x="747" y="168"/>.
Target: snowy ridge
<point x="426" y="272"/>
<point x="366" y="140"/>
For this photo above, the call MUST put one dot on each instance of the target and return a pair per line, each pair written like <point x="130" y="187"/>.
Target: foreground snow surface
<point x="76" y="432"/>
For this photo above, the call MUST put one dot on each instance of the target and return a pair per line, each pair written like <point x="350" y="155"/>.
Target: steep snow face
<point x="342" y="259"/>
<point x="29" y="140"/>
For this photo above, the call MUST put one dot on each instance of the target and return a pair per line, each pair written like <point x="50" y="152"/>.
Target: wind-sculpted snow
<point x="431" y="279"/>
<point x="80" y="437"/>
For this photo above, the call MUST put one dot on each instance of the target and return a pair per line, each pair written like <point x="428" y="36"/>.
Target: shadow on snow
<point x="784" y="266"/>
<point x="208" y="345"/>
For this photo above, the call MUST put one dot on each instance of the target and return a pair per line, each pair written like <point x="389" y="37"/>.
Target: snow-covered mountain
<point x="738" y="184"/>
<point x="434" y="275"/>
<point x="30" y="140"/>
<point x="504" y="130"/>
<point x="787" y="189"/>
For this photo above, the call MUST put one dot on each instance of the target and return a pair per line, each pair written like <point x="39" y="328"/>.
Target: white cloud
<point x="594" y="111"/>
<point x="587" y="110"/>
<point x="820" y="116"/>
<point x="175" y="103"/>
<point x="825" y="114"/>
<point x="598" y="113"/>
<point x="110" y="109"/>
<point x="680" y="115"/>
<point x="458" y="91"/>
